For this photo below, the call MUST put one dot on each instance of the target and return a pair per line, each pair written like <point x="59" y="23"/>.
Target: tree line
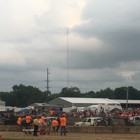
<point x="23" y="96"/>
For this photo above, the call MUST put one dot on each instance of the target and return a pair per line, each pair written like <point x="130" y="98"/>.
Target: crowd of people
<point x="58" y="121"/>
<point x="116" y="113"/>
<point x="45" y="126"/>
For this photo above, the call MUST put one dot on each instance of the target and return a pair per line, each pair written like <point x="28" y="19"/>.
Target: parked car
<point x="46" y="120"/>
<point x="107" y="121"/>
<point x="10" y="120"/>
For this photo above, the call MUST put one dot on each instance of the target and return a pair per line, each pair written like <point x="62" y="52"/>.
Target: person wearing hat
<point x="63" y="124"/>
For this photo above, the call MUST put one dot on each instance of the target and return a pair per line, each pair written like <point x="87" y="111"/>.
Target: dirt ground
<point x="70" y="136"/>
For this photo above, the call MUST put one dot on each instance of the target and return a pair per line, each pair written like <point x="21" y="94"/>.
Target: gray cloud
<point x="116" y="24"/>
<point x="103" y="43"/>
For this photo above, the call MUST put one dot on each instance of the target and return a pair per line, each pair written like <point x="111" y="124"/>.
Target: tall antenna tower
<point x="48" y="92"/>
<point x="67" y="61"/>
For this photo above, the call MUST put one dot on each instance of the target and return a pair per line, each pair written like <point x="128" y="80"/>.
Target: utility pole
<point x="127" y="99"/>
<point x="48" y="92"/>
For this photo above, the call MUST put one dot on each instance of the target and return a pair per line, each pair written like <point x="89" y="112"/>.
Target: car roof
<point x="93" y="117"/>
<point x="50" y="117"/>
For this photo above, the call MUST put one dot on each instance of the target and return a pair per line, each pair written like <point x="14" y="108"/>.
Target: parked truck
<point x="95" y="121"/>
<point x="132" y="121"/>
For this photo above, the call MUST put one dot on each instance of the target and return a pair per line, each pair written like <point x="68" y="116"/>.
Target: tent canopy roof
<point x="89" y="100"/>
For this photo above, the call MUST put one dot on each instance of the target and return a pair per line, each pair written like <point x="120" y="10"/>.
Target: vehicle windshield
<point x="137" y="118"/>
<point x="84" y="120"/>
<point x="89" y="120"/>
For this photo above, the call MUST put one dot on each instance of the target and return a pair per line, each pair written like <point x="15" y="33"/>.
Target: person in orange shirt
<point x="19" y="122"/>
<point x="122" y="115"/>
<point x="58" y="120"/>
<point x="88" y="113"/>
<point x="63" y="124"/>
<point x="28" y="120"/>
<point x="42" y="120"/>
<point x="54" y="124"/>
<point x="51" y="112"/>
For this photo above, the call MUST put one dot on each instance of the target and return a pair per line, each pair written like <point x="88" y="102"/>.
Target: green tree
<point x="120" y="93"/>
<point x="107" y="93"/>
<point x="133" y="93"/>
<point x="26" y="95"/>
<point x="70" y="92"/>
<point x="89" y="94"/>
<point x="52" y="96"/>
<point x="9" y="98"/>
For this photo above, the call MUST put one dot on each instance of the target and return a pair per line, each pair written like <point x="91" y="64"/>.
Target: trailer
<point x="107" y="107"/>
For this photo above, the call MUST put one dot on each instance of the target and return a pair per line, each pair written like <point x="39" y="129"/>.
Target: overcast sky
<point x="89" y="44"/>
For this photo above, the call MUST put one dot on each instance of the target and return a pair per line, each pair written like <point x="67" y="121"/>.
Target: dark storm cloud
<point x="117" y="25"/>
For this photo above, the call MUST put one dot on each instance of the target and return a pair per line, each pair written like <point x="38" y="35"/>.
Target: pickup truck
<point x="89" y="121"/>
<point x="95" y="121"/>
<point x="132" y="121"/>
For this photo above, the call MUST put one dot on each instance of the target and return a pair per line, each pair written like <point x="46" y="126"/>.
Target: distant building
<point x="43" y="107"/>
<point x="2" y="105"/>
<point x="85" y="102"/>
<point x="131" y="103"/>
<point x="82" y="102"/>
